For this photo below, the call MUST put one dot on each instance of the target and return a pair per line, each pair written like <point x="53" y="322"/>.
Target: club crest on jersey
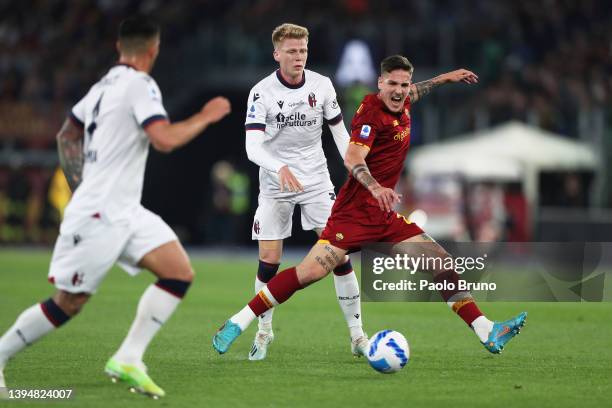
<point x="365" y="131"/>
<point x="77" y="278"/>
<point x="339" y="236"/>
<point x="312" y="100"/>
<point x="256" y="227"/>
<point x="280" y="104"/>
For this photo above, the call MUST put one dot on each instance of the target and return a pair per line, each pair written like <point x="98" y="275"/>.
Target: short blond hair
<point x="288" y="30"/>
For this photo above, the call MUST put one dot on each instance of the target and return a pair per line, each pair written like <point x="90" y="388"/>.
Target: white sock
<point x="347" y="290"/>
<point x="243" y="318"/>
<point x="154" y="309"/>
<point x="31" y="325"/>
<point x="482" y="327"/>
<point x="265" y="319"/>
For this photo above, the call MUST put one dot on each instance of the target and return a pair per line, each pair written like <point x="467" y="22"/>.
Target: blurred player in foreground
<point x="103" y="148"/>
<point x="283" y="136"/>
<point x="364" y="212"/>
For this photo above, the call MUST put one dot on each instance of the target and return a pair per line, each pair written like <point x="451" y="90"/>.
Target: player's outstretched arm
<point x="70" y="149"/>
<point x="166" y="136"/>
<point x="355" y="163"/>
<point x="420" y="89"/>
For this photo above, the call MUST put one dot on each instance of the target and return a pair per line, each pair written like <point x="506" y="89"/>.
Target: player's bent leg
<point x="37" y="321"/>
<point x="493" y="335"/>
<point x="170" y="263"/>
<point x="320" y="261"/>
<point x="70" y="303"/>
<point x="270" y="252"/>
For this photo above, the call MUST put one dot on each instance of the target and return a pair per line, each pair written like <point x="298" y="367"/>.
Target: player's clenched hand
<point x="386" y="197"/>
<point x="288" y="180"/>
<point x="460" y="75"/>
<point x="216" y="109"/>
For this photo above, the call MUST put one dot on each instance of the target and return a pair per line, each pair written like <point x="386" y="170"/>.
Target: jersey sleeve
<point x="363" y="128"/>
<point x="331" y="109"/>
<point x="146" y="101"/>
<point x="256" y="111"/>
<point x="77" y="114"/>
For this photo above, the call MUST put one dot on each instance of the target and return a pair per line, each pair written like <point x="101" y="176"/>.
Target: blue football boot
<point x="503" y="332"/>
<point x="226" y="335"/>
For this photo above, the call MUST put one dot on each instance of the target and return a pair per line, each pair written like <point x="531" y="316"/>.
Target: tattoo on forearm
<point x="422" y="88"/>
<point x="70" y="149"/>
<point x="361" y="173"/>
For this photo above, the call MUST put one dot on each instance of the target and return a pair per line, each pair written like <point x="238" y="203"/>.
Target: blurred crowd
<point x="546" y="62"/>
<point x="552" y="57"/>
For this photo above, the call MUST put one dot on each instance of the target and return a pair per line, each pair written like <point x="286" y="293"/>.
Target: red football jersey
<point x="387" y="135"/>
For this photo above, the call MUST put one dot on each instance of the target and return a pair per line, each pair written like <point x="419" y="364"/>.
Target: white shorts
<point x="83" y="256"/>
<point x="274" y="216"/>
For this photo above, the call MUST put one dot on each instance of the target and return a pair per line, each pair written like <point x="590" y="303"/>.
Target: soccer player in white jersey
<point x="284" y="122"/>
<point x="103" y="148"/>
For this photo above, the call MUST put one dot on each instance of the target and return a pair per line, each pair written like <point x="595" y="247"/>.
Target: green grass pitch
<point x="563" y="357"/>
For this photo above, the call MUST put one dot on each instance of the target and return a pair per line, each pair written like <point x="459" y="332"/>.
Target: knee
<point x="185" y="273"/>
<point x="308" y="274"/>
<point x="271" y="256"/>
<point x="71" y="303"/>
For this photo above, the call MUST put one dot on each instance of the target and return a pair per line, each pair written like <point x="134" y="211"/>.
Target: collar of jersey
<point x="123" y="64"/>
<point x="287" y="84"/>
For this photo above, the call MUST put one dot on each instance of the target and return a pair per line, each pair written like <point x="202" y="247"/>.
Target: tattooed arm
<point x="355" y="163"/>
<point x="420" y="89"/>
<point x="70" y="149"/>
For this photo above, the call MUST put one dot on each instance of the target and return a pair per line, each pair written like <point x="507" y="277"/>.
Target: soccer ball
<point x="388" y="351"/>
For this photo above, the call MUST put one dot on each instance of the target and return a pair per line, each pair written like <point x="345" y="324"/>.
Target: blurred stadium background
<point x="521" y="156"/>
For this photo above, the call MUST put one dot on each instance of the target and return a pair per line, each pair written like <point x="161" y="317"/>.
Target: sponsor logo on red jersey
<point x="402" y="135"/>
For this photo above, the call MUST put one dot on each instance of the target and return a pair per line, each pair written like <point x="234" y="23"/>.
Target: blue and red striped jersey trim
<point x="255" y="126"/>
<point x="151" y="119"/>
<point x="76" y="120"/>
<point x="335" y="120"/>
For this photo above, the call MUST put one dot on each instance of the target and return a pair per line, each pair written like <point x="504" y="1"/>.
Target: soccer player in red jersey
<point x="363" y="212"/>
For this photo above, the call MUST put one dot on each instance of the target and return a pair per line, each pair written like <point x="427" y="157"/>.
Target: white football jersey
<point x="113" y="115"/>
<point x="291" y="117"/>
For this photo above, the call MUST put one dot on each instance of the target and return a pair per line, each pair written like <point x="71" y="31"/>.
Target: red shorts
<point x="346" y="232"/>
